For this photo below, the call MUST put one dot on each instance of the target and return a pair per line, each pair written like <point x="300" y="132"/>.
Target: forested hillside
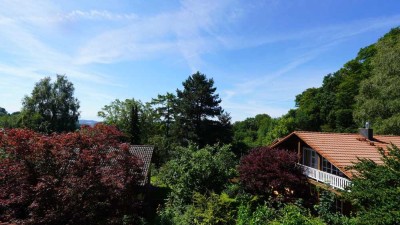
<point x="366" y="88"/>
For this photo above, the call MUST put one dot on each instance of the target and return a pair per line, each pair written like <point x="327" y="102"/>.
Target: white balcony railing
<point x="327" y="178"/>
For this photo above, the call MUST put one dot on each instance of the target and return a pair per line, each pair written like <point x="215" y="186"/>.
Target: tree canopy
<point x="7" y="120"/>
<point x="379" y="98"/>
<point x="132" y="117"/>
<point x="51" y="107"/>
<point x="3" y="111"/>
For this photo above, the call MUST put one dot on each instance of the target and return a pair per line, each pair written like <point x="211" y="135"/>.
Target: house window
<point x="326" y="166"/>
<point x="329" y="168"/>
<point x="310" y="158"/>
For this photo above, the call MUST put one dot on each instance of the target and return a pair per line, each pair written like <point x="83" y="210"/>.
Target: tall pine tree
<point x="198" y="111"/>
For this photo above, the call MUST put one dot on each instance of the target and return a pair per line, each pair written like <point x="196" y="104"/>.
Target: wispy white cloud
<point x="188" y="32"/>
<point x="97" y="15"/>
<point x="314" y="35"/>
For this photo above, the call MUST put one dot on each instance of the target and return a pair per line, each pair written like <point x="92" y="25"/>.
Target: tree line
<point x="365" y="89"/>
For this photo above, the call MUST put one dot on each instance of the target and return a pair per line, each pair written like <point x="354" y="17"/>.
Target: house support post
<point x="298" y="152"/>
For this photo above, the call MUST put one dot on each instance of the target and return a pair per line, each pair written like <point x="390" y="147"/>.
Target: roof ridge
<point x="321" y="132"/>
<point x="386" y="135"/>
<point x="324" y="132"/>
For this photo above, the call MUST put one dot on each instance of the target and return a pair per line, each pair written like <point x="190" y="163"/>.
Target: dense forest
<point x="205" y="169"/>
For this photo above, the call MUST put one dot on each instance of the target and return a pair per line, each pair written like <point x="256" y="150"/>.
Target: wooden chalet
<point x="325" y="157"/>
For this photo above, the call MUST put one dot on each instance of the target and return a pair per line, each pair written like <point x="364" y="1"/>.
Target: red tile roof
<point x="342" y="149"/>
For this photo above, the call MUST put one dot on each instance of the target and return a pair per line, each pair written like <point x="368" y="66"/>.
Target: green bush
<point x="198" y="170"/>
<point x="205" y="209"/>
<point x="262" y="215"/>
<point x="326" y="211"/>
<point x="294" y="215"/>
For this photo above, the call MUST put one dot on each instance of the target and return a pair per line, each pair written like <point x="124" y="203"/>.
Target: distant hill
<point x="88" y="122"/>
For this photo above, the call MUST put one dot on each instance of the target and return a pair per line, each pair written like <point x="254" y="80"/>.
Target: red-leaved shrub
<point x="70" y="178"/>
<point x="272" y="173"/>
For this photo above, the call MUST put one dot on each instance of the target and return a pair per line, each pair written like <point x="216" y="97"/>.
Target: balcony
<point x="324" y="177"/>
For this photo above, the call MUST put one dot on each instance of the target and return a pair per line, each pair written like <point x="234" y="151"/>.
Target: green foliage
<point x="252" y="131"/>
<point x="134" y="128"/>
<point x="165" y="108"/>
<point x="199" y="113"/>
<point x="308" y="112"/>
<point x="262" y="215"/>
<point x="118" y="113"/>
<point x="295" y="215"/>
<point x="261" y="130"/>
<point x="331" y="106"/>
<point x="51" y="106"/>
<point x="212" y="209"/>
<point x="375" y="189"/>
<point x="281" y="127"/>
<point x="289" y="214"/>
<point x="132" y="117"/>
<point x="327" y="212"/>
<point x="379" y="98"/>
<point x="244" y="214"/>
<point x="10" y="120"/>
<point x="198" y="170"/>
<point x="3" y="111"/>
<point x="205" y="209"/>
<point x="325" y="207"/>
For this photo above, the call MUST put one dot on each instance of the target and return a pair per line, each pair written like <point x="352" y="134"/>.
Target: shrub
<point x="198" y="170"/>
<point x="295" y="215"/>
<point x="327" y="212"/>
<point x="70" y="178"/>
<point x="263" y="214"/>
<point x="272" y="173"/>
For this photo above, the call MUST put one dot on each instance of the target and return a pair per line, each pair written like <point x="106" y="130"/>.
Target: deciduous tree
<point x="379" y="99"/>
<point x="70" y="178"/>
<point x="51" y="107"/>
<point x="3" y="111"/>
<point x="132" y="117"/>
<point x="272" y="173"/>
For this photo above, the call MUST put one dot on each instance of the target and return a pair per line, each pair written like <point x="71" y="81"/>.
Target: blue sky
<point x="261" y="54"/>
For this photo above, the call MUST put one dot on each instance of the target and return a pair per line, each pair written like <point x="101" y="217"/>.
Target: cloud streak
<point x="188" y="32"/>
